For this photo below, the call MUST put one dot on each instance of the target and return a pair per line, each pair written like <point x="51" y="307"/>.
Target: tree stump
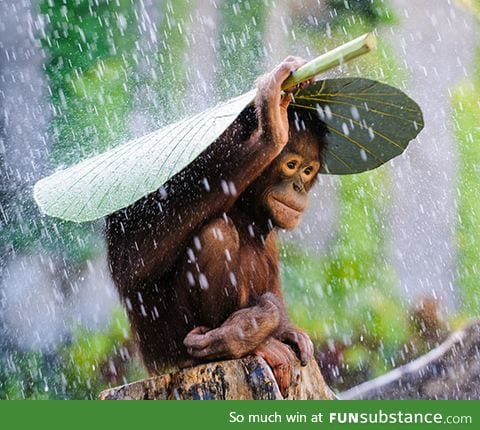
<point x="249" y="378"/>
<point x="449" y="372"/>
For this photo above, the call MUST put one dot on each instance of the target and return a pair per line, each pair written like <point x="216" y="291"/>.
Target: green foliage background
<point x="466" y="108"/>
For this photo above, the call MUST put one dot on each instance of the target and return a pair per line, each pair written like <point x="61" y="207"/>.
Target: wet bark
<point x="450" y="371"/>
<point x="249" y="378"/>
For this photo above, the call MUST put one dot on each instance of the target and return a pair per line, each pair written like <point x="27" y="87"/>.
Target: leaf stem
<point x="346" y="52"/>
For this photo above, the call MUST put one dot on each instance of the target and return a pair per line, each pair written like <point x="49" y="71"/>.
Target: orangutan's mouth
<point x="297" y="210"/>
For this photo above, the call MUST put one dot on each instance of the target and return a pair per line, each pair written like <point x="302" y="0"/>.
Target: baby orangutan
<point x="196" y="262"/>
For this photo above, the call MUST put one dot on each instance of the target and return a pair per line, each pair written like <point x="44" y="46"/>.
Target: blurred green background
<point x="107" y="71"/>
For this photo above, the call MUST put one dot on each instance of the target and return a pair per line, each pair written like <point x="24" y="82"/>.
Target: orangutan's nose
<point x="298" y="185"/>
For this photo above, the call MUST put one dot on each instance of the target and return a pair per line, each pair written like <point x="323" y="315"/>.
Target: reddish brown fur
<point x="196" y="262"/>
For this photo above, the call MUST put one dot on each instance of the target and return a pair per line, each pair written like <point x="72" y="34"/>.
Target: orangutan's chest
<point x="257" y="271"/>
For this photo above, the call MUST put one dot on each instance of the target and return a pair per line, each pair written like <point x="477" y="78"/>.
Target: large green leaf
<point x="368" y="122"/>
<point x="115" y="179"/>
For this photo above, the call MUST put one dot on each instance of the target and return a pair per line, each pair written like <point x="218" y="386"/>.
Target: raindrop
<point x="363" y="155"/>
<point x="355" y="113"/>
<point x="371" y="134"/>
<point x="206" y="184"/>
<point x="197" y="243"/>
<point x="225" y="188"/>
<point x="191" y="255"/>
<point x="202" y="279"/>
<point x="190" y="279"/>
<point x="328" y="112"/>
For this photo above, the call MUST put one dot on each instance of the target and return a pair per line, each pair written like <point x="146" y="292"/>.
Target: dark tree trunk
<point x="450" y="371"/>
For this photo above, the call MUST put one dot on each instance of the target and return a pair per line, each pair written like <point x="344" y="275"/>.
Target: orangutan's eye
<point x="292" y="164"/>
<point x="308" y="170"/>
